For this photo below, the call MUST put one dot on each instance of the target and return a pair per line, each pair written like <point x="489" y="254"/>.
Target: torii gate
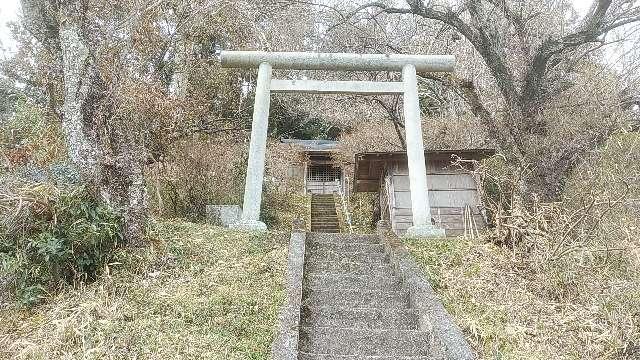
<point x="407" y="64"/>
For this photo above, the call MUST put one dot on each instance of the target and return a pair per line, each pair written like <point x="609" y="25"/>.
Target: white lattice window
<point x="323" y="173"/>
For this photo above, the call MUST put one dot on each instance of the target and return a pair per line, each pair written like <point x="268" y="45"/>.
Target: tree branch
<point x="477" y="35"/>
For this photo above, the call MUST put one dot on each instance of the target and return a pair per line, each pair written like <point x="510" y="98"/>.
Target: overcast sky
<point x="9" y="12"/>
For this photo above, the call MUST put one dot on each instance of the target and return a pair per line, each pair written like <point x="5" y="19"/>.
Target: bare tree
<point x="530" y="66"/>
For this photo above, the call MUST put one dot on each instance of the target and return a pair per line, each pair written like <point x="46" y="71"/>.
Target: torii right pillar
<point x="420" y="208"/>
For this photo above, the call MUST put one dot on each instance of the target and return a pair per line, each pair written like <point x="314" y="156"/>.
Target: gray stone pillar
<point x="420" y="208"/>
<point x="257" y="149"/>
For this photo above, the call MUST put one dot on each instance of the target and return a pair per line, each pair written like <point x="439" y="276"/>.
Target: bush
<point x="361" y="206"/>
<point x="197" y="173"/>
<point x="60" y="236"/>
<point x="30" y="137"/>
<point x="279" y="208"/>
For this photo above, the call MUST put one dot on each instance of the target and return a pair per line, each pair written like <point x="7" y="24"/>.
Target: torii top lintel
<point x="337" y="61"/>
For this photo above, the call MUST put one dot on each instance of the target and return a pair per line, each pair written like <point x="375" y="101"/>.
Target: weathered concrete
<point x="285" y="345"/>
<point x="448" y="340"/>
<point x="223" y="215"/>
<point x="421" y="210"/>
<point x="257" y="150"/>
<point x="336" y="61"/>
<point x="336" y="87"/>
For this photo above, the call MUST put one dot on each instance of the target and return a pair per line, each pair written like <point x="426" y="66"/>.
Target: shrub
<point x="29" y="137"/>
<point x="195" y="174"/>
<point x="60" y="236"/>
<point x="361" y="206"/>
<point x="279" y="208"/>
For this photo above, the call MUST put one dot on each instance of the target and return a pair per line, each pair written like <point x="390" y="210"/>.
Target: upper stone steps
<point x="324" y="218"/>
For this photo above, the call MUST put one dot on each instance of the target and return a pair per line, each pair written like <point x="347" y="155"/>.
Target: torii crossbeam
<point x="407" y="64"/>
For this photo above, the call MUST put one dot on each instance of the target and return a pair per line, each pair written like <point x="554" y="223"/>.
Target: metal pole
<point x="416" y="162"/>
<point x="257" y="149"/>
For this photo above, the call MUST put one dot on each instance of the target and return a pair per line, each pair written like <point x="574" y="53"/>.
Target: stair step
<point x="356" y="256"/>
<point x="308" y="356"/>
<point x="364" y="342"/>
<point x="345" y="238"/>
<point x="332" y="281"/>
<point x="345" y="247"/>
<point x="346" y="267"/>
<point x="362" y="318"/>
<point x="356" y="298"/>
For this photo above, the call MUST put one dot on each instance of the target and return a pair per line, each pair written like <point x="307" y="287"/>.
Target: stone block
<point x="223" y="215"/>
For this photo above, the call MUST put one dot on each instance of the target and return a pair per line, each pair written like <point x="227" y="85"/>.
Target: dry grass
<point x="198" y="292"/>
<point x="510" y="310"/>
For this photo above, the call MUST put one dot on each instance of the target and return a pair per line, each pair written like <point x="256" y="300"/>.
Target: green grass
<point x="199" y="292"/>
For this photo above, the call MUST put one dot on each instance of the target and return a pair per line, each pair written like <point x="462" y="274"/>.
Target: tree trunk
<point x="109" y="162"/>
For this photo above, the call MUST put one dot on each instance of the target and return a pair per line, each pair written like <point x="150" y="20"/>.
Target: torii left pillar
<point x="257" y="150"/>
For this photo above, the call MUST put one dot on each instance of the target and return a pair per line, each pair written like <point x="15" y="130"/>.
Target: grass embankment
<point x="198" y="292"/>
<point x="511" y="309"/>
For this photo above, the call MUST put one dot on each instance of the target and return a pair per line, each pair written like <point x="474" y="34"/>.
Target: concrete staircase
<point x="324" y="218"/>
<point x="354" y="306"/>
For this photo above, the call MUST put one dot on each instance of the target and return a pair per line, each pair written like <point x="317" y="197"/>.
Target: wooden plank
<point x="438" y="210"/>
<point x="367" y="185"/>
<point x="434" y="167"/>
<point x="336" y="87"/>
<point x="459" y="198"/>
<point x="446" y="226"/>
<point x="448" y="232"/>
<point x="438" y="182"/>
<point x="442" y="218"/>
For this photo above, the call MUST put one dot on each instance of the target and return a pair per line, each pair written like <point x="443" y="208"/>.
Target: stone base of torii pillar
<point x="424" y="231"/>
<point x="249" y="225"/>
